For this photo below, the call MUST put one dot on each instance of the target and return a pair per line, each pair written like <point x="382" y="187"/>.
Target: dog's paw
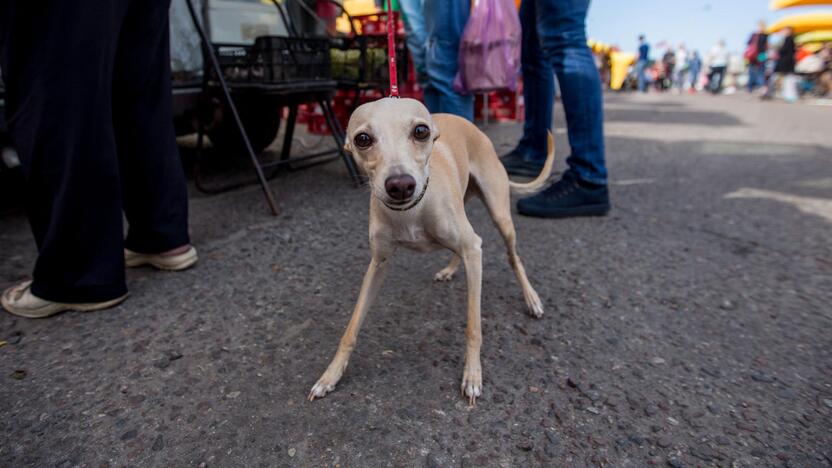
<point x="320" y="389"/>
<point x="536" y="309"/>
<point x="534" y="304"/>
<point x="444" y="275"/>
<point x="472" y="383"/>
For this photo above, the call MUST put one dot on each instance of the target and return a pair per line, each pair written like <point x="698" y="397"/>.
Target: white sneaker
<point x="176" y="262"/>
<point x="20" y="301"/>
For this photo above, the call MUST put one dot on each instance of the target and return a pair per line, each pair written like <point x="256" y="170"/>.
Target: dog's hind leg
<point x="369" y="289"/>
<point x="447" y="273"/>
<point x="498" y="201"/>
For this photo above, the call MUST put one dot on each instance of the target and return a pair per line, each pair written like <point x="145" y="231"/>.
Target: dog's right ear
<point x="434" y="131"/>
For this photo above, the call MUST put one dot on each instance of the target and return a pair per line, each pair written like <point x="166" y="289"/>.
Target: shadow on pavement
<point x="665" y="117"/>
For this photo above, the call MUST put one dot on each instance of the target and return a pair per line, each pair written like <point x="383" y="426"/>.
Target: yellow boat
<point x="781" y="4"/>
<point x="823" y="35"/>
<point x="803" y="23"/>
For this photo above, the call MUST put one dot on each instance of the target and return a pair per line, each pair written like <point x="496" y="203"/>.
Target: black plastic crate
<point x="363" y="60"/>
<point x="276" y="59"/>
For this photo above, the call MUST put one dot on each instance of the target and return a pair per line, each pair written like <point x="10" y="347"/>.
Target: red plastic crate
<point x="503" y="106"/>
<point x="317" y="124"/>
<point x="376" y="23"/>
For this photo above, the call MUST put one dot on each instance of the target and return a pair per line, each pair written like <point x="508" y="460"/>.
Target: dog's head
<point x="392" y="139"/>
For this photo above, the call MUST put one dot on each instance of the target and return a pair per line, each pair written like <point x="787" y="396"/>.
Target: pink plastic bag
<point x="489" y="52"/>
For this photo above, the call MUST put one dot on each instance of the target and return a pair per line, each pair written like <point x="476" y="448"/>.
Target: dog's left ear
<point x="348" y="145"/>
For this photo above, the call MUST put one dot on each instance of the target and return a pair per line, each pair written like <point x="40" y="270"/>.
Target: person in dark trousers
<point x="554" y="37"/>
<point x="88" y="96"/>
<point x="784" y="70"/>
<point x="718" y="64"/>
<point x="756" y="55"/>
<point x="669" y="66"/>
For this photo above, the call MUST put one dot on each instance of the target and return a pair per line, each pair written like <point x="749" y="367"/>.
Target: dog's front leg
<point x="471" y="253"/>
<point x="369" y="288"/>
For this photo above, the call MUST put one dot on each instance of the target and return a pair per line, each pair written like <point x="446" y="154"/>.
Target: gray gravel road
<point x="691" y="327"/>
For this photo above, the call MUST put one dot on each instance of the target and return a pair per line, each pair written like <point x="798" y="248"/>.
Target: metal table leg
<point x="289" y="133"/>
<point x="338" y="135"/>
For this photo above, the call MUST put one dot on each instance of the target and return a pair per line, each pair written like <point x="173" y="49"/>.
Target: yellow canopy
<point x="598" y="47"/>
<point x="813" y="47"/>
<point x="355" y="7"/>
<point x="619" y="64"/>
<point x="823" y="35"/>
<point x="780" y="4"/>
<point x="803" y="23"/>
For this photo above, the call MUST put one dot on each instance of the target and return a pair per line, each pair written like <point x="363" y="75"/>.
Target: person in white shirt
<point x="717" y="62"/>
<point x="682" y="68"/>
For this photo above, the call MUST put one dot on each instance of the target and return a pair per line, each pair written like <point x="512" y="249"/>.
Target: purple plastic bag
<point x="489" y="52"/>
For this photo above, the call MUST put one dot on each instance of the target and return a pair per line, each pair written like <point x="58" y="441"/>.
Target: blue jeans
<point x="444" y="23"/>
<point x="641" y="73"/>
<point x="416" y="35"/>
<point x="694" y="76"/>
<point x="756" y="76"/>
<point x="554" y="38"/>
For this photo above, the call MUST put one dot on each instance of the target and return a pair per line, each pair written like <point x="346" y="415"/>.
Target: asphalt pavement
<point x="690" y="327"/>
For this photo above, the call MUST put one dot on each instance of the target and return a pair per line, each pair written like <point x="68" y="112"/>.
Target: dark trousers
<point x="89" y="110"/>
<point x="554" y="40"/>
<point x="715" y="79"/>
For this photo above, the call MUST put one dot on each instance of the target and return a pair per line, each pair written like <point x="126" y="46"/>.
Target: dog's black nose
<point x="400" y="187"/>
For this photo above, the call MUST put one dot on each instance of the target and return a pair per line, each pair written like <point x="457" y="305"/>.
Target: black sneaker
<point x="518" y="165"/>
<point x="566" y="198"/>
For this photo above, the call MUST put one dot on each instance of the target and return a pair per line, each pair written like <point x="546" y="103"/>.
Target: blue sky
<point x="697" y="23"/>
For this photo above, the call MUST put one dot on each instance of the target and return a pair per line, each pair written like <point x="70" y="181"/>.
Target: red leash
<point x="391" y="51"/>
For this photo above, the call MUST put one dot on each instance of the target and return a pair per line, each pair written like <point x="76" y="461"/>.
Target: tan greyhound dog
<point x="419" y="185"/>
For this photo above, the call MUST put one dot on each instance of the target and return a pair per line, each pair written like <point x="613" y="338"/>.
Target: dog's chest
<point x="415" y="237"/>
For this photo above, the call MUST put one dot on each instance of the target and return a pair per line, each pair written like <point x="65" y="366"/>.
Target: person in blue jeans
<point x="415" y="34"/>
<point x="757" y="64"/>
<point x="434" y="28"/>
<point x="643" y="61"/>
<point x="554" y="38"/>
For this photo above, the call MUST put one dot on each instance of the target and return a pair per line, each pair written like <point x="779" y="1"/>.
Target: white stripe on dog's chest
<point x="415" y="238"/>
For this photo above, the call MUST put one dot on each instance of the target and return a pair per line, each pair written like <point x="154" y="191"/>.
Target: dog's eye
<point x="421" y="132"/>
<point x="363" y="140"/>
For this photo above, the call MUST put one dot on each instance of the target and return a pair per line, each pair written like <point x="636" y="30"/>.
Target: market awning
<point x="599" y="47"/>
<point x="620" y="63"/>
<point x="824" y="35"/>
<point x="803" y="23"/>
<point x="780" y="4"/>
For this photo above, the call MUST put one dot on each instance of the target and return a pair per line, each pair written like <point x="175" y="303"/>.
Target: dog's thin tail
<point x="538" y="183"/>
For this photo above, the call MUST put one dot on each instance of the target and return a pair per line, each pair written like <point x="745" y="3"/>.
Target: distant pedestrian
<point x="669" y="66"/>
<point x="784" y="70"/>
<point x="756" y="55"/>
<point x="824" y="82"/>
<point x="695" y="69"/>
<point x="643" y="61"/>
<point x="717" y="64"/>
<point x="680" y="78"/>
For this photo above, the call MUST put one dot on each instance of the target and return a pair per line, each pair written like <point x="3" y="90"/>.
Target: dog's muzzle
<point x="412" y="204"/>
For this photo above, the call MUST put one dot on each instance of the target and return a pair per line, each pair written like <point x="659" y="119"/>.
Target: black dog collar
<point x="415" y="202"/>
